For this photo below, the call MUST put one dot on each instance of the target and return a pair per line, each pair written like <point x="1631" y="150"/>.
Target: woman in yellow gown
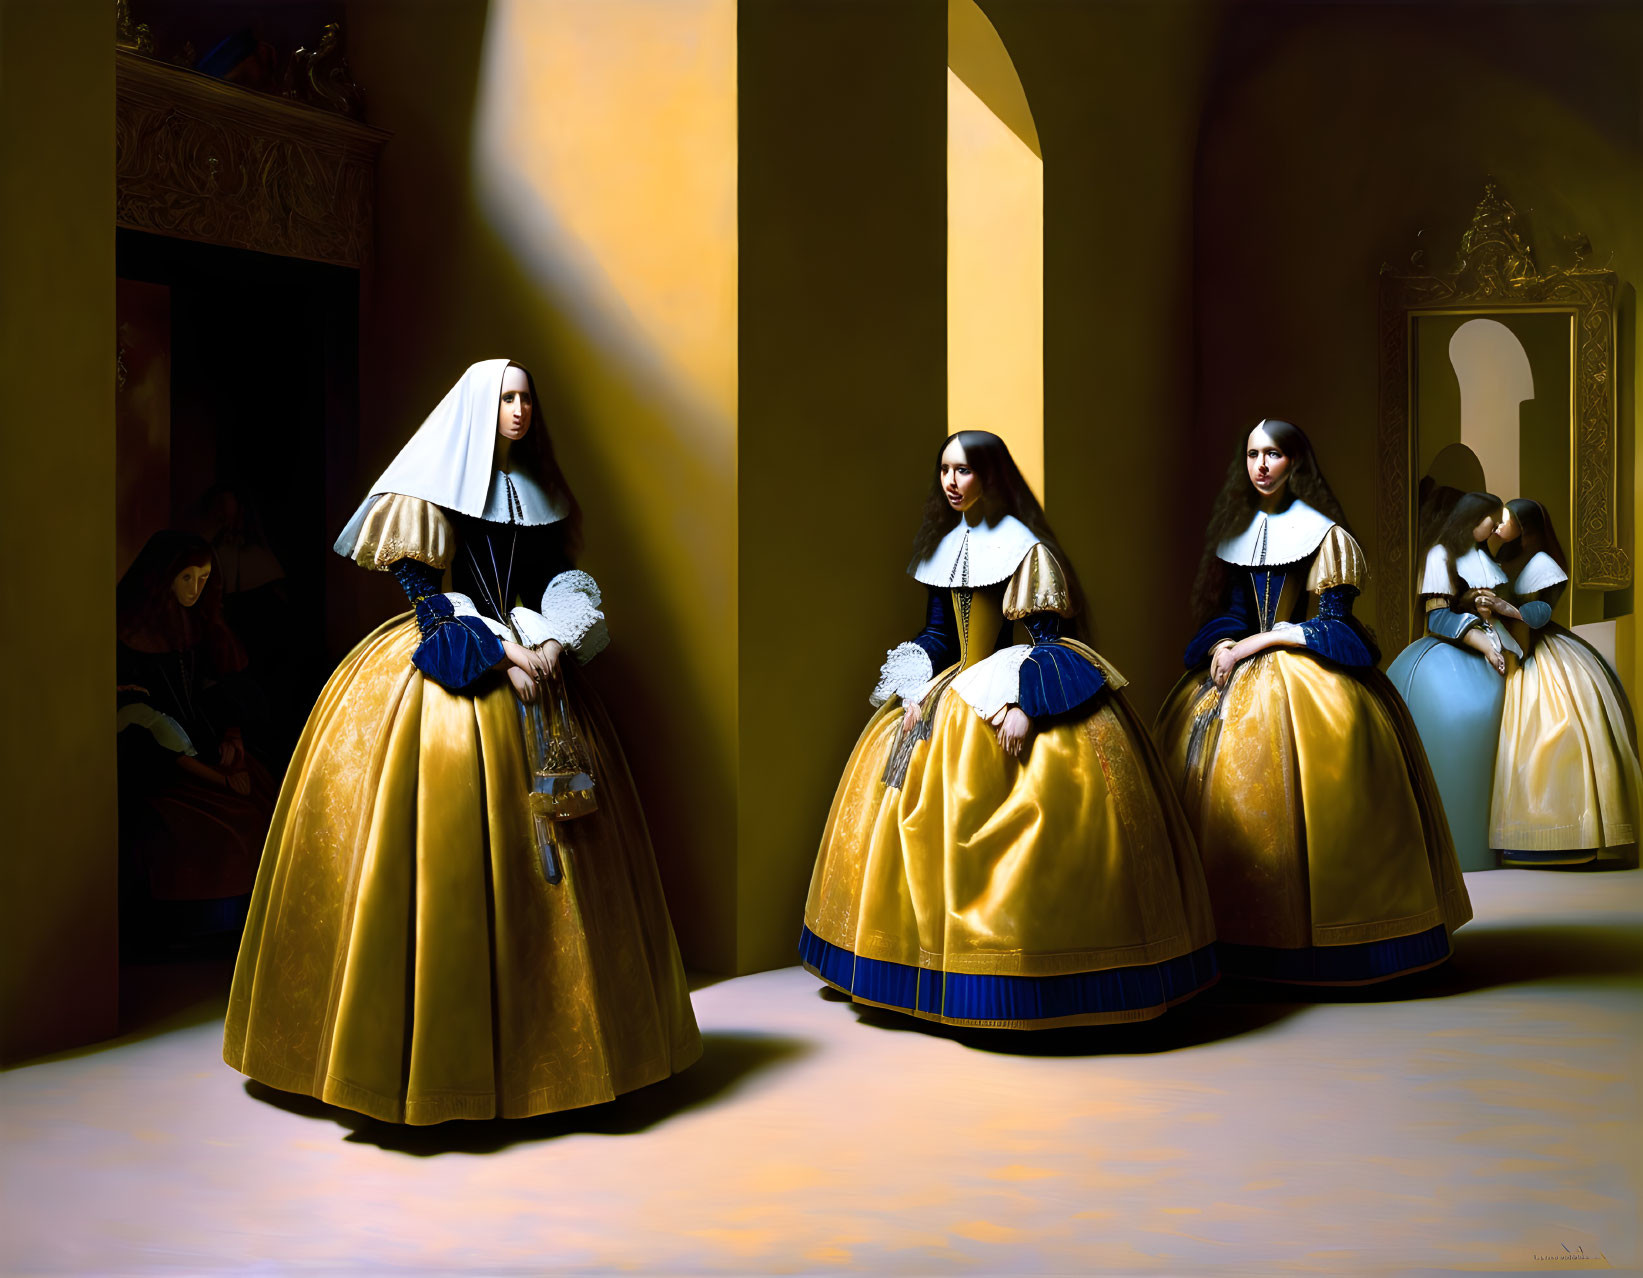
<point x="1004" y="849"/>
<point x="1323" y="837"/>
<point x="422" y="943"/>
<point x="1567" y="782"/>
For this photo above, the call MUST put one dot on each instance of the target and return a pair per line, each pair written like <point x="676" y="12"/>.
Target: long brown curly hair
<point x="1004" y="491"/>
<point x="147" y="612"/>
<point x="539" y="457"/>
<point x="1238" y="501"/>
<point x="1452" y="525"/>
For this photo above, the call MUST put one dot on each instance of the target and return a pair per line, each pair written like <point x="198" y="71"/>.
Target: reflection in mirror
<point x="1491" y="398"/>
<point x="1492" y="370"/>
<point x="1457" y="467"/>
<point x="1512" y="366"/>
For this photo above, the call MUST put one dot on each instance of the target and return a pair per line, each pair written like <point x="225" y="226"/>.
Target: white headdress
<point x="451" y="461"/>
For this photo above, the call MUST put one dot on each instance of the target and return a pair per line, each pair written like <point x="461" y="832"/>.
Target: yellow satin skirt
<point x="1322" y="832"/>
<point x="1566" y="773"/>
<point x="1060" y="889"/>
<point x="405" y="957"/>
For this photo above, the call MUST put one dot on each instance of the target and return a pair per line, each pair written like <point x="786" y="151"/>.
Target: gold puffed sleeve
<point x="404" y="528"/>
<point x="1340" y="562"/>
<point x="1039" y="585"/>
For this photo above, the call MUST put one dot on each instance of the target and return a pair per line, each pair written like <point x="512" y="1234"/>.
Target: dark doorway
<point x="264" y="356"/>
<point x="244" y="369"/>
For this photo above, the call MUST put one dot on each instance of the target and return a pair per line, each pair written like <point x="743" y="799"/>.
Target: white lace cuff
<point x="463" y="606"/>
<point x="166" y="730"/>
<point x="570" y="613"/>
<point x="994" y="682"/>
<point x="906" y="669"/>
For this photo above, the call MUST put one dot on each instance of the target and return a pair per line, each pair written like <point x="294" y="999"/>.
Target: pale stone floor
<point x="1483" y="1120"/>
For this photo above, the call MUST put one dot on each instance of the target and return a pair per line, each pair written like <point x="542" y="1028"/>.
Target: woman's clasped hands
<point x="530" y="668"/>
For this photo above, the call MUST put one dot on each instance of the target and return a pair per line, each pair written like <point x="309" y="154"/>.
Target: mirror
<point x="1498" y="377"/>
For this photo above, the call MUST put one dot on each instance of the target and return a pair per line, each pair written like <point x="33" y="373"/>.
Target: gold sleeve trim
<point x="1434" y="602"/>
<point x="1340" y="562"/>
<point x="404" y="528"/>
<point x="1114" y="678"/>
<point x="1039" y="585"/>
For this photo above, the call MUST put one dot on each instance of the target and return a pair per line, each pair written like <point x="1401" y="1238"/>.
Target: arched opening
<point x="995" y="244"/>
<point x="1495" y="379"/>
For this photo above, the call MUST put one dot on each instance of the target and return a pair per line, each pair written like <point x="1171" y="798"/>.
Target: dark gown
<point x="407" y="954"/>
<point x="188" y="847"/>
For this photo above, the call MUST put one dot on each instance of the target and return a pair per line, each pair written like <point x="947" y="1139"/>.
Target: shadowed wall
<point x="58" y="927"/>
<point x="843" y="382"/>
<point x="1115" y="92"/>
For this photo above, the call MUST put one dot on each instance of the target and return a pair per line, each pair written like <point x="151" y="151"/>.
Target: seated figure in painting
<point x="1566" y="780"/>
<point x="1004" y="849"/>
<point x="194" y="804"/>
<point x="1451" y="677"/>
<point x="1322" y="834"/>
<point x="459" y="914"/>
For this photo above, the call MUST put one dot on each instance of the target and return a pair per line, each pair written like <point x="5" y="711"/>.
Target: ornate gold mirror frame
<point x="1494" y="274"/>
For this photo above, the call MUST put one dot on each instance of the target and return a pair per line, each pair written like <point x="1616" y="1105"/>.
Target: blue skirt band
<point x="1337" y="964"/>
<point x="1026" y="1002"/>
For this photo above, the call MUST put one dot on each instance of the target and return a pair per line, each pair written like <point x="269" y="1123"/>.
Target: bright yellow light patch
<point x="995" y="280"/>
<point x="606" y="154"/>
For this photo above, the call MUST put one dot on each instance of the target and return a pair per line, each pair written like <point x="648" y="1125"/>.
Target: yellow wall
<point x="561" y="190"/>
<point x="995" y="280"/>
<point x="843" y="379"/>
<point x="1429" y="100"/>
<point x="58" y="926"/>
<point x="995" y="245"/>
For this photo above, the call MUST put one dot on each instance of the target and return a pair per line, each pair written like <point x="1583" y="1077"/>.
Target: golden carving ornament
<point x="1495" y="272"/>
<point x="203" y="160"/>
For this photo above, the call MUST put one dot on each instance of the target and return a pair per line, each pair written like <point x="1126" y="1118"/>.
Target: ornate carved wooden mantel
<point x="200" y="159"/>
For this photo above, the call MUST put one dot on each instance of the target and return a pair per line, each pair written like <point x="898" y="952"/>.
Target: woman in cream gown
<point x="422" y="944"/>
<point x="1003" y="849"/>
<point x="1322" y="833"/>
<point x="1566" y="779"/>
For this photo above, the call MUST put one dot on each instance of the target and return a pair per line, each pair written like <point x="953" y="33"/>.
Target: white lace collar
<point x="1479" y="571"/>
<point x="1475" y="568"/>
<point x="1540" y="573"/>
<point x="529" y="504"/>
<point x="1284" y="538"/>
<point x="979" y="556"/>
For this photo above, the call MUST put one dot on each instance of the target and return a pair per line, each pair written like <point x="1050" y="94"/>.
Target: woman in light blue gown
<point x="1452" y="677"/>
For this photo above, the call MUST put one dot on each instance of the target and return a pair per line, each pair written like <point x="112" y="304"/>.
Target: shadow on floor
<point x="1484" y="958"/>
<point x="1216" y="1014"/>
<point x="728" y="1061"/>
<point x="1516" y="954"/>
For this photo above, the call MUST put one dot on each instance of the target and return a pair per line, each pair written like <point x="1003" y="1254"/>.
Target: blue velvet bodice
<point x="496" y="566"/>
<point x="1251" y="602"/>
<point x="1055" y="680"/>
